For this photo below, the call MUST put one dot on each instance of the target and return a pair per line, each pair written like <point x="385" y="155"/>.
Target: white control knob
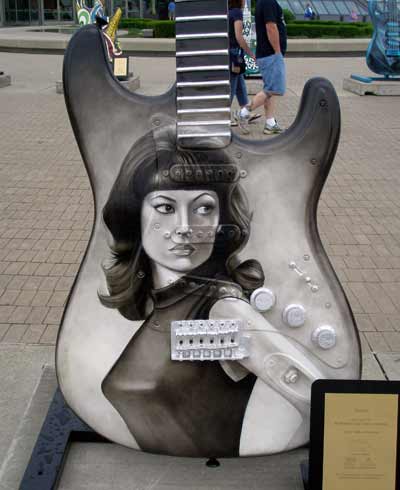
<point x="294" y="315"/>
<point x="262" y="299"/>
<point x="324" y="337"/>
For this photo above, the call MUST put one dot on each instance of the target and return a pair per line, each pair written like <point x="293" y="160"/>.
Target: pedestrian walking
<point x="309" y="12"/>
<point x="271" y="48"/>
<point x="354" y="16"/>
<point x="237" y="48"/>
<point x="171" y="10"/>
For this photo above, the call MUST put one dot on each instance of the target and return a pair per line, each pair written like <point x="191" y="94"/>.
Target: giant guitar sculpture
<point x="383" y="55"/>
<point x="205" y="305"/>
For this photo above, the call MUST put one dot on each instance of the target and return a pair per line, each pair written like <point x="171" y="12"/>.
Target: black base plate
<point x="304" y="474"/>
<point x="60" y="428"/>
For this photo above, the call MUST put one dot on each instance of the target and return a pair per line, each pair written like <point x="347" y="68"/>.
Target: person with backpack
<point x="237" y="48"/>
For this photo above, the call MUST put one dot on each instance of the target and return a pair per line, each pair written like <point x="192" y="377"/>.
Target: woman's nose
<point x="184" y="231"/>
<point x="183" y="228"/>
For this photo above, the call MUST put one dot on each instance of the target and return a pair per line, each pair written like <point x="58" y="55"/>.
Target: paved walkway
<point x="46" y="209"/>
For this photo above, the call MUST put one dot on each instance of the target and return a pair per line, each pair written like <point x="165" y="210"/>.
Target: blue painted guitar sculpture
<point x="383" y="55"/>
<point x="206" y="305"/>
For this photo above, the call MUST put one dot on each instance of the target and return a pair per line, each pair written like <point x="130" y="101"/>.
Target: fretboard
<point x="202" y="73"/>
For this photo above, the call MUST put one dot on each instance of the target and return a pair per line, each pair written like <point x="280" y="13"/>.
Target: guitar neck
<point x="202" y="73"/>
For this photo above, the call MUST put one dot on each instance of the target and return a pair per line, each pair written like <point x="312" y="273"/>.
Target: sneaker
<point x="242" y="122"/>
<point x="253" y="117"/>
<point x="275" y="129"/>
<point x="234" y="118"/>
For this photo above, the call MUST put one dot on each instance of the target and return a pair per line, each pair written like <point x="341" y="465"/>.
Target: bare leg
<point x="270" y="106"/>
<point x="258" y="100"/>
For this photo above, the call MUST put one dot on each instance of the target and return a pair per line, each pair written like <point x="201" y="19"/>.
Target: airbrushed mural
<point x="206" y="305"/>
<point x="87" y="15"/>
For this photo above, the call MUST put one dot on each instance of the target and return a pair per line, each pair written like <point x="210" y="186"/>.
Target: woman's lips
<point x="182" y="249"/>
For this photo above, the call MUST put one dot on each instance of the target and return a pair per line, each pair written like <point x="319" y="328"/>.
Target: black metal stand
<point x="60" y="428"/>
<point x="304" y="474"/>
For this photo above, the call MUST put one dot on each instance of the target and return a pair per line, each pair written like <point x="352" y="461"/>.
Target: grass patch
<point x="161" y="28"/>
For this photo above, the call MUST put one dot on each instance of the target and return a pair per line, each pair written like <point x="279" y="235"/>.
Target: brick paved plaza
<point x="46" y="209"/>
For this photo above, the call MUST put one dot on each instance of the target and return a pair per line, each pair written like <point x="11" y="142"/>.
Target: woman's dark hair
<point x="235" y="4"/>
<point x="155" y="163"/>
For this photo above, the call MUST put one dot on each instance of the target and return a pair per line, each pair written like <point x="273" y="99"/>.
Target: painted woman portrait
<point x="177" y="219"/>
<point x="188" y="234"/>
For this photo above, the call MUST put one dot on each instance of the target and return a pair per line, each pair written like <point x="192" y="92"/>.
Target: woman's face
<point x="179" y="227"/>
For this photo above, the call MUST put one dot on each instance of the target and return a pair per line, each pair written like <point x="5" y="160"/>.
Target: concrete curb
<point x="19" y="453"/>
<point x="43" y="43"/>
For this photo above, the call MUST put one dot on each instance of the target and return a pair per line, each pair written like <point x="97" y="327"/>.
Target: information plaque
<point x="354" y="435"/>
<point x="121" y="67"/>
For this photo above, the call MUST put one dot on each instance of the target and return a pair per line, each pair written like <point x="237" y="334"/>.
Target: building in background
<point x="41" y="12"/>
<point x="328" y="9"/>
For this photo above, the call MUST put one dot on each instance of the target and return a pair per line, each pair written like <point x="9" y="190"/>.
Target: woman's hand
<point x="274" y="357"/>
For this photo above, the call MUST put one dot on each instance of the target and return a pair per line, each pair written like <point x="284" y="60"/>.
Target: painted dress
<point x="172" y="407"/>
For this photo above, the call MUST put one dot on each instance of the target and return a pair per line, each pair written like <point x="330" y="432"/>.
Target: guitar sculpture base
<point x="60" y="428"/>
<point x="361" y="78"/>
<point x="362" y="85"/>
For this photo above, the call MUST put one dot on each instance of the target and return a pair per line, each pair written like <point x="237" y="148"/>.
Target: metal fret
<point x="200" y="17"/>
<point x="210" y="35"/>
<point x="224" y="122"/>
<point x="206" y="52"/>
<point x="221" y="134"/>
<point x="211" y="110"/>
<point x="185" y="69"/>
<point x="217" y="83"/>
<point x="203" y="91"/>
<point x="203" y="97"/>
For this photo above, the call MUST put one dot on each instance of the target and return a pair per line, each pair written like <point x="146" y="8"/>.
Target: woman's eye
<point x="165" y="208"/>
<point x="203" y="210"/>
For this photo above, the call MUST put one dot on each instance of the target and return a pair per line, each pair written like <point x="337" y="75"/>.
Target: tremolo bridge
<point x="208" y="340"/>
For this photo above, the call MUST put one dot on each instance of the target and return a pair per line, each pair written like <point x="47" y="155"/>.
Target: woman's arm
<point x="238" y="25"/>
<point x="274" y="358"/>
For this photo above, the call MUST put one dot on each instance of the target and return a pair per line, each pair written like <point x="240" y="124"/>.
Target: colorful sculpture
<point x="110" y="35"/>
<point x="205" y="305"/>
<point x="87" y="15"/>
<point x="383" y="55"/>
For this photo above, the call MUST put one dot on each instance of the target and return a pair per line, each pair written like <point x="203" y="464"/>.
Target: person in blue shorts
<point x="171" y="10"/>
<point x="237" y="47"/>
<point x="271" y="48"/>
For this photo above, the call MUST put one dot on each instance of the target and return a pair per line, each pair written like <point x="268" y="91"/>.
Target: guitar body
<point x="383" y="54"/>
<point x="114" y="363"/>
